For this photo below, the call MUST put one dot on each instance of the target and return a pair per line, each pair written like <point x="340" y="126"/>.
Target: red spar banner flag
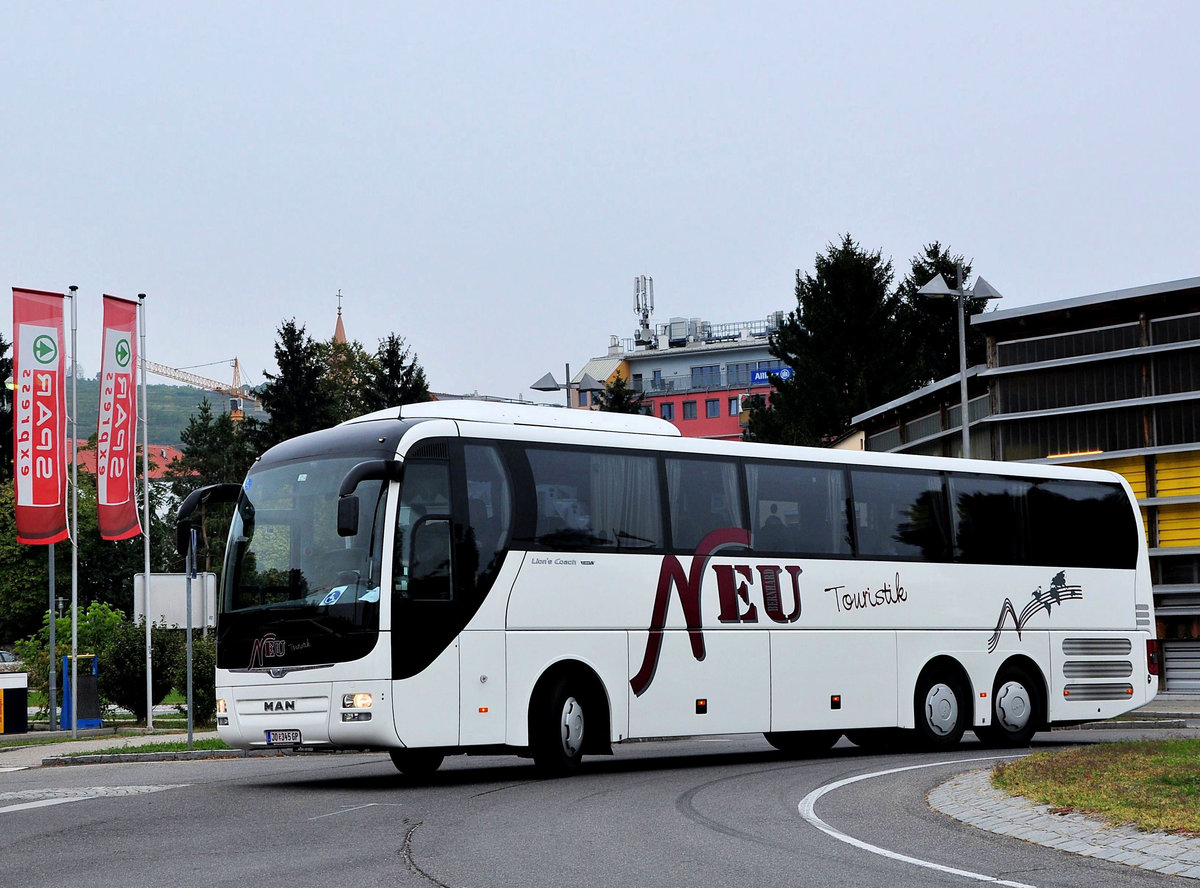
<point x="39" y="417"/>
<point x="116" y="458"/>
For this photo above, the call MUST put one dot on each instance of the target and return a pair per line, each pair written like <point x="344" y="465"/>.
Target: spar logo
<point x="734" y="584"/>
<point x="45" y="350"/>
<point x="123" y="353"/>
<point x="266" y="647"/>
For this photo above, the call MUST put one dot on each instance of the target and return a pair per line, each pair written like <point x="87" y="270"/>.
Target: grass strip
<point x="1150" y="784"/>
<point x="166" y="746"/>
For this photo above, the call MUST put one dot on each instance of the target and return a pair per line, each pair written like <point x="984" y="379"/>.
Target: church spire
<point x="339" y="331"/>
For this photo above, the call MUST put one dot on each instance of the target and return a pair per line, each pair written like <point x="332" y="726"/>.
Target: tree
<point x="618" y="397"/>
<point x="929" y="326"/>
<point x="215" y="451"/>
<point x="6" y="414"/>
<point x="299" y="398"/>
<point x="397" y="379"/>
<point x="844" y="345"/>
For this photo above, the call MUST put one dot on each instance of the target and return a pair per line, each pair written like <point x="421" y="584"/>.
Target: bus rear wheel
<point x="941" y="708"/>
<point x="1016" y="710"/>
<point x="416" y="762"/>
<point x="557" y="730"/>
<point x="802" y="743"/>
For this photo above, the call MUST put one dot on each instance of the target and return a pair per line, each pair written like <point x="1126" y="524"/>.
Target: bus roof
<point x="529" y="415"/>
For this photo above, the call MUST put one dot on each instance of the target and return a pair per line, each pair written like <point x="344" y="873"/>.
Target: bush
<point x="204" y="676"/>
<point x="123" y="664"/>
<point x="96" y="622"/>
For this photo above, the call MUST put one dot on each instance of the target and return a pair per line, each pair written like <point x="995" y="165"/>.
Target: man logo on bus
<point x="267" y="646"/>
<point x="733" y="591"/>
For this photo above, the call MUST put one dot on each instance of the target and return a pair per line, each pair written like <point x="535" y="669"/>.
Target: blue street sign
<point x="763" y="377"/>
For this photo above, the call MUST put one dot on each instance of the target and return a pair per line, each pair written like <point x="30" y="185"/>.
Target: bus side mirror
<point x="213" y="494"/>
<point x="347" y="515"/>
<point x="347" y="507"/>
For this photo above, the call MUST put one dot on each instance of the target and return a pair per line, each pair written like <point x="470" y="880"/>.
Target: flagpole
<point x="146" y="510"/>
<point x="53" y="703"/>
<point x="74" y="517"/>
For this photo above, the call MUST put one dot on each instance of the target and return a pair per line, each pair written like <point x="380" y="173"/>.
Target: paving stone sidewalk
<point x="971" y="798"/>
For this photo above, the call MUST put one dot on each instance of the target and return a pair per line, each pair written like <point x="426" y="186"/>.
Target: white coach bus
<point x="463" y="577"/>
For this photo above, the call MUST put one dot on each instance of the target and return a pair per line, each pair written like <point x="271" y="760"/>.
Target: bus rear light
<point x="357" y="701"/>
<point x="1152" y="656"/>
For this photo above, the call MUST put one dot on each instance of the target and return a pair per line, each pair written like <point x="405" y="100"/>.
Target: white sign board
<point x="168" y="599"/>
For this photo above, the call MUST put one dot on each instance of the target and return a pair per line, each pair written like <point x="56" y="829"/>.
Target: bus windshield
<point x="284" y="551"/>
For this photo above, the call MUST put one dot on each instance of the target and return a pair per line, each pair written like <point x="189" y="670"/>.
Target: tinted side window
<point x="992" y="519"/>
<point x="797" y="509"/>
<point x="900" y="515"/>
<point x="1081" y="524"/>
<point x="489" y="509"/>
<point x="705" y="495"/>
<point x="590" y="499"/>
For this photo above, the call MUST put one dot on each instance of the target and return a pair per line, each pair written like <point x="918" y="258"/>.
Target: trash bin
<point x="87" y="695"/>
<point x="14" y="703"/>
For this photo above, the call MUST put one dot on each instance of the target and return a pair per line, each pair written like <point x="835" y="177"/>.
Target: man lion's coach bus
<point x="464" y="577"/>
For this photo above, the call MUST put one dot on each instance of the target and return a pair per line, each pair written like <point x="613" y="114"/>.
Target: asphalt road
<point x="719" y="812"/>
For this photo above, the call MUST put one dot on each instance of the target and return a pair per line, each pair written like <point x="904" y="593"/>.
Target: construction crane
<point x="236" y="395"/>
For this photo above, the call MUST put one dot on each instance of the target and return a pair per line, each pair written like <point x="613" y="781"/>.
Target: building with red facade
<point x="693" y="373"/>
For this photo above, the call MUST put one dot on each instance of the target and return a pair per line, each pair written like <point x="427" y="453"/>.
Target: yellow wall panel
<point x="1179" y="525"/>
<point x="1178" y="474"/>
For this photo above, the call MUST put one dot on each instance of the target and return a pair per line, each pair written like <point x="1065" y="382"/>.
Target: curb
<point x="182" y="756"/>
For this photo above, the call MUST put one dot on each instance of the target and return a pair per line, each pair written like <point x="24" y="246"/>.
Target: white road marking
<point x="349" y="808"/>
<point x="26" y="799"/>
<point x="807" y="811"/>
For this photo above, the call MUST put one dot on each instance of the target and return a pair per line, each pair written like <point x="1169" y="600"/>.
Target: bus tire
<point x="803" y="743"/>
<point x="1017" y="709"/>
<point x="557" y="730"/>
<point x="942" y="709"/>
<point x="416" y="763"/>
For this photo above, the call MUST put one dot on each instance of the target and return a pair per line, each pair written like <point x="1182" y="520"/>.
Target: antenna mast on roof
<point x="643" y="299"/>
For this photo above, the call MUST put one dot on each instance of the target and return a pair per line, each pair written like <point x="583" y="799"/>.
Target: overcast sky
<point x="486" y="180"/>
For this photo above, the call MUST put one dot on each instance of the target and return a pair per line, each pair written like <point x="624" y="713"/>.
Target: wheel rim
<point x="571" y="727"/>
<point x="1014" y="708"/>
<point x="941" y="709"/>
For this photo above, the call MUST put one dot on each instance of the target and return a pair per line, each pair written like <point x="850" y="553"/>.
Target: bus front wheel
<point x="1016" y="710"/>
<point x="942" y="709"/>
<point x="416" y="762"/>
<point x="557" y="730"/>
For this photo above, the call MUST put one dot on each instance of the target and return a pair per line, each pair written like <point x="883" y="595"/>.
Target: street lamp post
<point x="982" y="290"/>
<point x="586" y="384"/>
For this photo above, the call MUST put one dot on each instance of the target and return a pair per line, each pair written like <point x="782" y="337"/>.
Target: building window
<point x="637" y="382"/>
<point x="739" y="374"/>
<point x="667" y="411"/>
<point x="583" y="399"/>
<point x="708" y="376"/>
<point x="712" y="408"/>
<point x="689" y="409"/>
<point x="734" y="407"/>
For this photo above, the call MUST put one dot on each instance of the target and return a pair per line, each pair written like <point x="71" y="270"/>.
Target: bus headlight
<point x="221" y="707"/>
<point x="357" y="701"/>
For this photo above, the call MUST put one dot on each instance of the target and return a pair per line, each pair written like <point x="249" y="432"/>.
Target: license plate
<point x="281" y="738"/>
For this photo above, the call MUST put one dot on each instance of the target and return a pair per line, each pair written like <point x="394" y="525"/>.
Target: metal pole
<point x="74" y="519"/>
<point x="191" y="570"/>
<point x="567" y="383"/>
<point x="962" y="363"/>
<point x="53" y="649"/>
<point x="146" y="511"/>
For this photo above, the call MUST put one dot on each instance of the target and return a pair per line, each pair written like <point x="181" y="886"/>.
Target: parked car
<point x="9" y="662"/>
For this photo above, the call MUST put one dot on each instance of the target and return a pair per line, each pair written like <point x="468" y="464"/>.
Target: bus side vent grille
<point x="430" y="450"/>
<point x="1097" y="647"/>
<point x="1097" y="669"/>
<point x="1083" y="693"/>
<point x="1143" y="615"/>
